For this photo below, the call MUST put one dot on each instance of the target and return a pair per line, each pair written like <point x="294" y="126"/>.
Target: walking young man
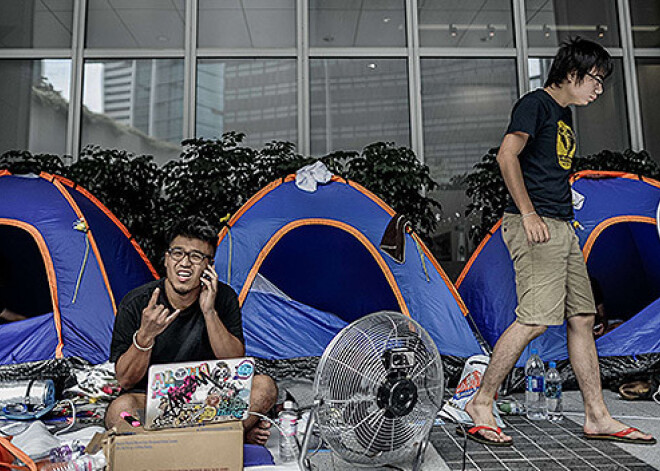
<point x="551" y="278"/>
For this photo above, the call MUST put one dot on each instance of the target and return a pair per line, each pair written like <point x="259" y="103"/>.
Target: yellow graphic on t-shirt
<point x="565" y="145"/>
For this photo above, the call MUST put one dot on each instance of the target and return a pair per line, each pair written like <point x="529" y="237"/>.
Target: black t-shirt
<point x="547" y="157"/>
<point x="185" y="339"/>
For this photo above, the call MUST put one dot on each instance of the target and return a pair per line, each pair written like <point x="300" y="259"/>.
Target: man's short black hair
<point x="581" y="56"/>
<point x="193" y="228"/>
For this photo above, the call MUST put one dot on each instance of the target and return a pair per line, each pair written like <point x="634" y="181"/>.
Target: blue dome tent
<point x="65" y="262"/>
<point x="307" y="264"/>
<point x="615" y="221"/>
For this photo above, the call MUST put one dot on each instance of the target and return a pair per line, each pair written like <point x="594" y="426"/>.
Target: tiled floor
<point x="644" y="415"/>
<point x="538" y="445"/>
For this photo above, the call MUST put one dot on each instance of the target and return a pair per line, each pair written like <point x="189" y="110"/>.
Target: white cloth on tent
<point x="578" y="199"/>
<point x="308" y="178"/>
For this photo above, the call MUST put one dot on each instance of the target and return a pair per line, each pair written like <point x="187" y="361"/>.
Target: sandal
<point x="621" y="436"/>
<point x="473" y="434"/>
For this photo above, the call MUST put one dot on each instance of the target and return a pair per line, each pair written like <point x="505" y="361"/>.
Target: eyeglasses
<point x="194" y="256"/>
<point x="598" y="79"/>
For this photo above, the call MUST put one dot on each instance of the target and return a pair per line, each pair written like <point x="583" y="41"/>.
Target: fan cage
<point x="349" y="376"/>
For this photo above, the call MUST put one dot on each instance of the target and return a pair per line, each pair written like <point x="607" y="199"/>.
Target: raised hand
<point x="209" y="290"/>
<point x="155" y="319"/>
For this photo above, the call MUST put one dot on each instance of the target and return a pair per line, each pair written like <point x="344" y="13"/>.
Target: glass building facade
<point x="439" y="76"/>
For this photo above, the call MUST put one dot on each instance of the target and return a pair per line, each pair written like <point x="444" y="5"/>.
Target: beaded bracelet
<point x="528" y="214"/>
<point x="136" y="345"/>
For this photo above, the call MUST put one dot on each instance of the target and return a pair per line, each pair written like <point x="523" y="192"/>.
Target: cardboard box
<point x="209" y="448"/>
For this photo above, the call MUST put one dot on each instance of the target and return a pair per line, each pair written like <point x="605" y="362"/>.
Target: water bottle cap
<point x="288" y="405"/>
<point x="535" y="351"/>
<point x="553" y="364"/>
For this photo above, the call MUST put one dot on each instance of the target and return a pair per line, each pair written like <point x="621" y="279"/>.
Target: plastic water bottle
<point x="535" y="404"/>
<point x="553" y="393"/>
<point x="82" y="463"/>
<point x="288" y="419"/>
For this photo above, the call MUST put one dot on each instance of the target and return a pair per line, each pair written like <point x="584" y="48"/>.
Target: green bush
<point x="22" y="161"/>
<point x="214" y="177"/>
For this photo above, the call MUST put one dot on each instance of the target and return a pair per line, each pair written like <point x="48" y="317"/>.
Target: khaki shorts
<point x="552" y="283"/>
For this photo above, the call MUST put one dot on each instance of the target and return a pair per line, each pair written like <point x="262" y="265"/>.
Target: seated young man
<point x="187" y="316"/>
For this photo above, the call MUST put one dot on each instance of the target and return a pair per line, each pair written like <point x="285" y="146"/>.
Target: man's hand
<point x="155" y="319"/>
<point x="223" y="343"/>
<point x="209" y="290"/>
<point x="536" y="229"/>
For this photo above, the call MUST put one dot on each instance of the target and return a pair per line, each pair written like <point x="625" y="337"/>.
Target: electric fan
<point x="377" y="390"/>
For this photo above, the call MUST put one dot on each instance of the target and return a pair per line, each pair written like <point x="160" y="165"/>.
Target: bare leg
<point x="584" y="360"/>
<point x="130" y="403"/>
<point x="505" y="354"/>
<point x="264" y="395"/>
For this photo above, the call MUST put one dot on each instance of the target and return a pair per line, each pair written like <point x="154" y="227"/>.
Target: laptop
<point x="197" y="393"/>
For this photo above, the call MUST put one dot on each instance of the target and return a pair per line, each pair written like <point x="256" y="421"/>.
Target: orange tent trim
<point x="50" y="271"/>
<point x="335" y="178"/>
<point x="89" y="234"/>
<point x="112" y="217"/>
<point x="597" y="231"/>
<point x="289" y="178"/>
<point x="482" y="244"/>
<point x="612" y="174"/>
<point x="323" y="222"/>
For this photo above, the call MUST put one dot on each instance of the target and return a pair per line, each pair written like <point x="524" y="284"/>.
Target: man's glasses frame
<point x="600" y="80"/>
<point x="195" y="257"/>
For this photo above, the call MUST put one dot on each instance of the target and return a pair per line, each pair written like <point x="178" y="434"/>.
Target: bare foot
<point x="609" y="426"/>
<point x="482" y="414"/>
<point x="258" y="435"/>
